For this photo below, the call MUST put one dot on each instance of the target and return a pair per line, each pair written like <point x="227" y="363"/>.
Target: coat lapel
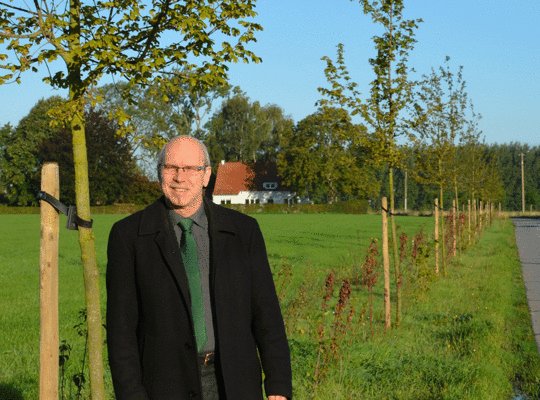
<point x="155" y="221"/>
<point x="220" y="228"/>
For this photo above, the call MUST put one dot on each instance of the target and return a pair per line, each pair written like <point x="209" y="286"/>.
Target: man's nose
<point x="179" y="176"/>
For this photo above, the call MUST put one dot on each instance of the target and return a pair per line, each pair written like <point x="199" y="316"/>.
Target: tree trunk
<point x="397" y="267"/>
<point x="88" y="256"/>
<point x="82" y="199"/>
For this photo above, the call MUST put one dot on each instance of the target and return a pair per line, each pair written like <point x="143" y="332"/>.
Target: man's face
<point x="183" y="188"/>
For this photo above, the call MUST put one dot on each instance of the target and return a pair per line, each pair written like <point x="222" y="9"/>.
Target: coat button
<point x="192" y="394"/>
<point x="188" y="346"/>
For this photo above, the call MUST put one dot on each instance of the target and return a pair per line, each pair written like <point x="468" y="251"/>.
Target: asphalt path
<point x="528" y="243"/>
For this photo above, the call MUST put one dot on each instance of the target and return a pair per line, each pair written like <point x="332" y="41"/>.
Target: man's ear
<point x="206" y="177"/>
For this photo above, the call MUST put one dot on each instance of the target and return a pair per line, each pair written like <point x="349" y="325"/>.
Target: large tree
<point x="20" y="152"/>
<point x="111" y="169"/>
<point x="241" y="130"/>
<point x="322" y="159"/>
<point x="135" y="40"/>
<point x="158" y="113"/>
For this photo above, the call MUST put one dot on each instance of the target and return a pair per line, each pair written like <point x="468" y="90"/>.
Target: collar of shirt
<point x="198" y="217"/>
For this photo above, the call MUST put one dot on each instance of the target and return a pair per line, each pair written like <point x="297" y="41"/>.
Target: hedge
<point x="342" y="207"/>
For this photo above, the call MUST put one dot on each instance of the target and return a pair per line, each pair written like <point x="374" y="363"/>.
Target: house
<point x="250" y="183"/>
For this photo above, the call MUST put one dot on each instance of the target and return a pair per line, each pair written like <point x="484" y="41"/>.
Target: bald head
<point x="183" y="171"/>
<point x="186" y="140"/>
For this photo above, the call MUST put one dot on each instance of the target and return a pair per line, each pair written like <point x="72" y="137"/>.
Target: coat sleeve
<point x="267" y="325"/>
<point x="122" y="318"/>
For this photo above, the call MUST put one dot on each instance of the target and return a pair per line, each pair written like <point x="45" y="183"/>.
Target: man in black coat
<point x="156" y="348"/>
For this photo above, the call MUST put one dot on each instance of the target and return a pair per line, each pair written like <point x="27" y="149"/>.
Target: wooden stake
<point x="48" y="294"/>
<point x="454" y="233"/>
<point x="469" y="217"/>
<point x="436" y="236"/>
<point x="386" y="263"/>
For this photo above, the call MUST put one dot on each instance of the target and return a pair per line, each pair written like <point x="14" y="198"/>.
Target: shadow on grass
<point x="9" y="391"/>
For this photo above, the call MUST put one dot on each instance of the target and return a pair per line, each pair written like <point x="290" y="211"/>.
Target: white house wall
<point x="278" y="197"/>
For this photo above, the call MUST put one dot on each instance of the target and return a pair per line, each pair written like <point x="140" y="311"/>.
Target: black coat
<point x="151" y="341"/>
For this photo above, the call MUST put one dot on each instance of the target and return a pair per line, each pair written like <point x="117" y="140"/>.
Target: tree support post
<point x="48" y="290"/>
<point x="454" y="231"/>
<point x="469" y="218"/>
<point x="386" y="264"/>
<point x="436" y="236"/>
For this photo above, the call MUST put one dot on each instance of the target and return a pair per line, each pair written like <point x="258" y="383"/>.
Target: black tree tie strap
<point x="73" y="220"/>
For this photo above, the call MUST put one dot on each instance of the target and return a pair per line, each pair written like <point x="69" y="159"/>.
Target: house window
<point x="222" y="201"/>
<point x="252" y="201"/>
<point x="257" y="201"/>
<point x="247" y="201"/>
<point x="270" y="185"/>
<point x="229" y="201"/>
<point x="270" y="201"/>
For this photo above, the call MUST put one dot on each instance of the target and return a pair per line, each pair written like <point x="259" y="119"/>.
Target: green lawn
<point x="451" y="342"/>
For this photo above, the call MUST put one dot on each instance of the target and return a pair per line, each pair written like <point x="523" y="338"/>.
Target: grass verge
<point x="467" y="336"/>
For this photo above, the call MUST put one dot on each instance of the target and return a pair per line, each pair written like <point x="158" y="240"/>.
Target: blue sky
<point x="497" y="42"/>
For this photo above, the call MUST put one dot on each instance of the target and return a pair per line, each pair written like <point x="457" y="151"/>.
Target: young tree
<point x="391" y="91"/>
<point x="138" y="41"/>
<point x="472" y="154"/>
<point x="439" y="122"/>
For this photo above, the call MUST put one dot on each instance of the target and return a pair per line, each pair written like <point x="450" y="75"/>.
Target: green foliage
<point x="319" y="157"/>
<point x="157" y="114"/>
<point x="391" y="90"/>
<point x="19" y="161"/>
<point x="439" y="123"/>
<point x="112" y="172"/>
<point x="126" y="38"/>
<point x="242" y="130"/>
<point x="507" y="162"/>
<point x="110" y="166"/>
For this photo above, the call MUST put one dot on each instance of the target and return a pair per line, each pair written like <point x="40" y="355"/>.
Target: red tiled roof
<point x="234" y="177"/>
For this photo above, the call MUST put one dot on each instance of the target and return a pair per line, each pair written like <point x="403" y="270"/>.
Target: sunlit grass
<point x="467" y="337"/>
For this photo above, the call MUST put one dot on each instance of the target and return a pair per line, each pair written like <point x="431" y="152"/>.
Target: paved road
<point x="528" y="243"/>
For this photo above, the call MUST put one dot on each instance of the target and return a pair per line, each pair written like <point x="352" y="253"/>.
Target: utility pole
<point x="405" y="191"/>
<point x="522" y="186"/>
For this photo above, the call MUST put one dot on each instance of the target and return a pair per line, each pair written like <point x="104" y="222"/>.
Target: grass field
<point x="452" y="345"/>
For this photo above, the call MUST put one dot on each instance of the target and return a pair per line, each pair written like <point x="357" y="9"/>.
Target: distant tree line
<point x="323" y="156"/>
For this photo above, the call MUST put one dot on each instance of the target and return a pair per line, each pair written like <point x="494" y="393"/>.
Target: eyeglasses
<point x="168" y="169"/>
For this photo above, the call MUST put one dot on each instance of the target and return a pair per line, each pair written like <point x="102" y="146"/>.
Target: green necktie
<point x="188" y="248"/>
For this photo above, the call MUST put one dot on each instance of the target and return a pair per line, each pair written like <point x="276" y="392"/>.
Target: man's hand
<point x="276" y="398"/>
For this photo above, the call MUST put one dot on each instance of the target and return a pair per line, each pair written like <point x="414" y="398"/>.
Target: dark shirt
<point x="200" y="234"/>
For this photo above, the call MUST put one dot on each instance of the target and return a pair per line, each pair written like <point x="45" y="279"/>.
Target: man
<point x="190" y="295"/>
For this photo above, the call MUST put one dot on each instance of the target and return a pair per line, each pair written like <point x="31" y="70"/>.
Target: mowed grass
<point x="315" y="241"/>
<point x="452" y="345"/>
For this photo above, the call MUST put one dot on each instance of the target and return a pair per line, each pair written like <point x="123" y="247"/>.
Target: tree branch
<point x="13" y="36"/>
<point x="154" y="30"/>
<point x="17" y="8"/>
